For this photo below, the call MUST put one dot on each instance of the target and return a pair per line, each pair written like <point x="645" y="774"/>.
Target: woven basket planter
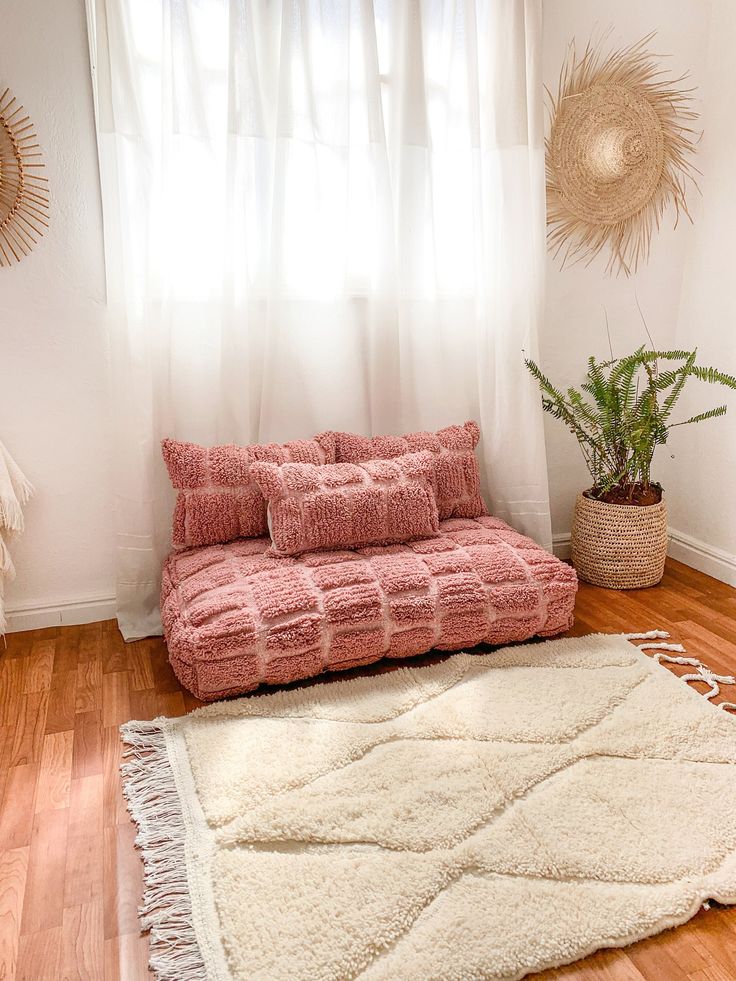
<point x="617" y="545"/>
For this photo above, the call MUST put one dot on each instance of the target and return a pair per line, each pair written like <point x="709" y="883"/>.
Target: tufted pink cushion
<point x="348" y="505"/>
<point x="237" y="616"/>
<point x="218" y="501"/>
<point x="457" y="485"/>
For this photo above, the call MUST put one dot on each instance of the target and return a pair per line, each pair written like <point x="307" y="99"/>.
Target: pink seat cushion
<point x="236" y="616"/>
<point x="347" y="505"/>
<point x="457" y="479"/>
<point x="218" y="501"/>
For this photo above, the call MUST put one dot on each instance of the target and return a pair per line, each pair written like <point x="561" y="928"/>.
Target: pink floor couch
<point x="236" y="616"/>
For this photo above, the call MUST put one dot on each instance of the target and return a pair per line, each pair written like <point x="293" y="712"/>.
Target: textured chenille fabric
<point x="218" y="500"/>
<point x="482" y="818"/>
<point x="348" y="505"/>
<point x="236" y="616"/>
<point x="457" y="486"/>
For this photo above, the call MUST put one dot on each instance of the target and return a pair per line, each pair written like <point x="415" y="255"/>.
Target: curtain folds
<point x="318" y="214"/>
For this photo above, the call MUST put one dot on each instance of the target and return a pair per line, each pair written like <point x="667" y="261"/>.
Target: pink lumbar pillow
<point x="457" y="483"/>
<point x="218" y="500"/>
<point x="348" y="505"/>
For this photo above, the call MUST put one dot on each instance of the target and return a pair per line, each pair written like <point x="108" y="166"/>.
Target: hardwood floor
<point x="70" y="877"/>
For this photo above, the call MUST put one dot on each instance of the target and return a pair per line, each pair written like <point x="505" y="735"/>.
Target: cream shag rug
<point x="484" y="817"/>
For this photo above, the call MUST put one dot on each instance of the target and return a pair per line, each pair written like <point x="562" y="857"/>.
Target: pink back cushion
<point x="348" y="505"/>
<point x="218" y="500"/>
<point x="457" y="479"/>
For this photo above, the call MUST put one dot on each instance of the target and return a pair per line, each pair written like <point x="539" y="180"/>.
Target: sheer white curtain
<point x="318" y="214"/>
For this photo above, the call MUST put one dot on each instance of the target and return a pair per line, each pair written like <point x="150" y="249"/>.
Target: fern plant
<point x="623" y="412"/>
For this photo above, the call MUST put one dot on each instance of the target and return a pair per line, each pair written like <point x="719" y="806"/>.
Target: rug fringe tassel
<point x="153" y="803"/>
<point x="702" y="671"/>
<point x="648" y="635"/>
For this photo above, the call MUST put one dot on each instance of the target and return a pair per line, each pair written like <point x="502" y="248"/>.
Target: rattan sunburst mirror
<point x="24" y="195"/>
<point x="619" y="154"/>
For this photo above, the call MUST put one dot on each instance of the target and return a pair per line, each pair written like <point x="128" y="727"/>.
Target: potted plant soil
<point x="621" y="414"/>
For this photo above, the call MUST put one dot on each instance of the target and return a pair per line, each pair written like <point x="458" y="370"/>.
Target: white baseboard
<point x="561" y="546"/>
<point x="705" y="558"/>
<point x="32" y="616"/>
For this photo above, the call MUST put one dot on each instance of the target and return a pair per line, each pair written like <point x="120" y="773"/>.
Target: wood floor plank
<point x="87" y="756"/>
<point x="11" y="688"/>
<point x="44" y="893"/>
<point x="62" y="699"/>
<point x="6" y="748"/>
<point x="656" y="958"/>
<point x="39" y="666"/>
<point x="163" y="673"/>
<point x="30" y="728"/>
<point x="140" y="667"/>
<point x="169" y="703"/>
<point x="123" y="880"/>
<point x="144" y="704"/>
<point x="605" y="965"/>
<point x="55" y="771"/>
<point x="115" y="698"/>
<point x="149" y="704"/>
<point x="114" y="650"/>
<point x="90" y="642"/>
<point x="126" y="958"/>
<point x="17" y="645"/>
<point x="88" y="695"/>
<point x="82" y="943"/>
<point x="114" y="807"/>
<point x="18" y="807"/>
<point x="38" y="955"/>
<point x="713" y="937"/>
<point x="711" y="973"/>
<point x="83" y="868"/>
<point x="13" y="869"/>
<point x="720" y="653"/>
<point x="66" y="656"/>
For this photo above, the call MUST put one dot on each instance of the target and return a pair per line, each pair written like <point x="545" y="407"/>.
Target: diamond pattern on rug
<point x="485" y="817"/>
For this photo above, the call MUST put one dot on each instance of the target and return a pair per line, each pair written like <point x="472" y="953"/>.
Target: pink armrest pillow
<point x="348" y="505"/>
<point x="218" y="500"/>
<point x="457" y="484"/>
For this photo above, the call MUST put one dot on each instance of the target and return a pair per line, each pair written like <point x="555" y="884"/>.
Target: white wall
<point x="685" y="290"/>
<point x="703" y="475"/>
<point x="53" y="395"/>
<point x="53" y="383"/>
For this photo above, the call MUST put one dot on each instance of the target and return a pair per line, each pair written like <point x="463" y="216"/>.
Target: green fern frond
<point x="667" y="378"/>
<point x="597" y="385"/>
<point x="544" y="383"/>
<point x="585" y="409"/>
<point x="683" y="374"/>
<point x="702" y="416"/>
<point x="620" y="428"/>
<point x="667" y="355"/>
<point x="713" y="377"/>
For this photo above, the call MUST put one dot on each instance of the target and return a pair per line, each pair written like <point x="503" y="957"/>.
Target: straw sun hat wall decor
<point x="618" y="154"/>
<point x="24" y="196"/>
